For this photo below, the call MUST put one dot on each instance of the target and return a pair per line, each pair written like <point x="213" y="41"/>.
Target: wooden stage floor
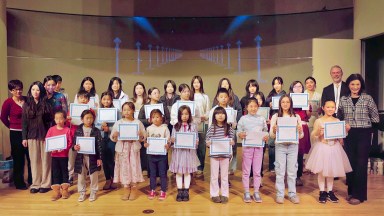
<point x="16" y="202"/>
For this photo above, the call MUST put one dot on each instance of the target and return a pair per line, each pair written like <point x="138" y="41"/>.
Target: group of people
<point x="44" y="114"/>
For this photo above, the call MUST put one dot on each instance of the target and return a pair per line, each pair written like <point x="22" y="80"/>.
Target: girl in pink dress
<point x="327" y="158"/>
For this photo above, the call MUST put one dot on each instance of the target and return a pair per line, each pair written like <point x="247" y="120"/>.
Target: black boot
<point x="179" y="196"/>
<point x="186" y="194"/>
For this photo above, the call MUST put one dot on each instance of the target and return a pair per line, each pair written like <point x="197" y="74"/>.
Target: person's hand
<point x="69" y="118"/>
<point x="146" y="145"/>
<point x="234" y="124"/>
<point x="25" y="143"/>
<point x="173" y="140"/>
<point x="274" y="129"/>
<point x="299" y="129"/>
<point x="341" y="141"/>
<point x="105" y="127"/>
<point x="203" y="118"/>
<point x="60" y="150"/>
<point x="197" y="143"/>
<point x="321" y="131"/>
<point x="266" y="138"/>
<point x="166" y="146"/>
<point x="242" y="135"/>
<point x="77" y="147"/>
<point x="232" y="142"/>
<point x="141" y="137"/>
<point x="270" y="104"/>
<point x="115" y="135"/>
<point x="99" y="163"/>
<point x="347" y="127"/>
<point x="208" y="143"/>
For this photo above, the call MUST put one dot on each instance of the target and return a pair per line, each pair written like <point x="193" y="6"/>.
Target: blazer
<point x="329" y="93"/>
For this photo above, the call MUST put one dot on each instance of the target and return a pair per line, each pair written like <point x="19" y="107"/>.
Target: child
<point x="286" y="153"/>
<point x="36" y="117"/>
<point x="60" y="158"/>
<point x="59" y="81"/>
<point x="127" y="159"/>
<point x="218" y="130"/>
<point x="139" y="96"/>
<point x="158" y="163"/>
<point x="88" y="85"/>
<point x="88" y="163"/>
<point x="252" y="156"/>
<point x="327" y="158"/>
<point x="108" y="145"/>
<point x="251" y="89"/>
<point x="115" y="86"/>
<point x="202" y="103"/>
<point x="184" y="161"/>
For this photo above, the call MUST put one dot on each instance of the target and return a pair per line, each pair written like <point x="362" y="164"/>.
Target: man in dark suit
<point x="337" y="89"/>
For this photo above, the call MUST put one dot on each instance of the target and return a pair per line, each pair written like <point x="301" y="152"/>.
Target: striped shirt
<point x="218" y="133"/>
<point x="361" y="115"/>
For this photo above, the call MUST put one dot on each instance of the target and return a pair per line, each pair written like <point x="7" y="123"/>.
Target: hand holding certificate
<point x="156" y="146"/>
<point x="55" y="143"/>
<point x="287" y="130"/>
<point x="185" y="140"/>
<point x="220" y="147"/>
<point x="107" y="115"/>
<point x="334" y="130"/>
<point x="255" y="139"/>
<point x="86" y="145"/>
<point x="128" y="131"/>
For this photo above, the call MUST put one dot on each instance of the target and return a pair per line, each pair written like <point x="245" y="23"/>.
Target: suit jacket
<point x="329" y="93"/>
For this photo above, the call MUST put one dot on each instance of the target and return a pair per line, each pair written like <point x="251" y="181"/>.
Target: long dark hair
<point x="173" y="85"/>
<point x="184" y="86"/>
<point x="201" y="84"/>
<point x="31" y="106"/>
<point x="113" y="79"/>
<point x="106" y="93"/>
<point x="150" y="92"/>
<point x="92" y="92"/>
<point x="251" y="82"/>
<point x="291" y="112"/>
<point x="179" y="121"/>
<point x="273" y="91"/>
<point x="231" y="94"/>
<point x="145" y="96"/>
<point x="261" y="94"/>
<point x="220" y="110"/>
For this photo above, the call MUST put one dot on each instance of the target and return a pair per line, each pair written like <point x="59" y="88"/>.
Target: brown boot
<point x="113" y="185"/>
<point x="126" y="193"/>
<point x="55" y="192"/>
<point x="64" y="190"/>
<point x="134" y="192"/>
<point x="107" y="185"/>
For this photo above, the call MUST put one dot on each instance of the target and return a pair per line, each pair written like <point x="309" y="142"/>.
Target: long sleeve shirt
<point x="174" y="112"/>
<point x="11" y="114"/>
<point x="250" y="122"/>
<point x="274" y="122"/>
<point x="203" y="105"/>
<point x="54" y="131"/>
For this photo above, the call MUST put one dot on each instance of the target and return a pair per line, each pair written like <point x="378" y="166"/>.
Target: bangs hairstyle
<point x="220" y="110"/>
<point x="186" y="86"/>
<point x="86" y="112"/>
<point x="113" y="79"/>
<point x="145" y="96"/>
<point x="15" y="84"/>
<point x="57" y="78"/>
<point x="231" y="94"/>
<point x="201" y="84"/>
<point x="290" y="111"/>
<point x="310" y="78"/>
<point x="92" y="92"/>
<point x="354" y="77"/>
<point x="261" y="94"/>
<point x="250" y="100"/>
<point x="293" y="85"/>
<point x="49" y="78"/>
<point x="173" y="85"/>
<point x="179" y="121"/>
<point x="129" y="104"/>
<point x="273" y="91"/>
<point x="150" y="92"/>
<point x="62" y="112"/>
<point x="157" y="111"/>
<point x="84" y="94"/>
<point x="254" y="83"/>
<point x="106" y="93"/>
<point x="329" y="100"/>
<point x="221" y="90"/>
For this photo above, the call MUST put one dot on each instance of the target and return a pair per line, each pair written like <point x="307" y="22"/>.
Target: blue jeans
<point x="286" y="159"/>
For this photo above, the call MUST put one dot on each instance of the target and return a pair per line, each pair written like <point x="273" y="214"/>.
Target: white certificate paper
<point x="156" y="146"/>
<point x="287" y="121"/>
<point x="264" y="111"/>
<point x="128" y="131"/>
<point x="191" y="105"/>
<point x="107" y="115"/>
<point x="254" y="139"/>
<point x="287" y="134"/>
<point x="149" y="107"/>
<point x="334" y="130"/>
<point x="75" y="112"/>
<point x="55" y="143"/>
<point x="300" y="100"/>
<point x="275" y="102"/>
<point x="220" y="147"/>
<point x="87" y="145"/>
<point x="117" y="104"/>
<point x="92" y="102"/>
<point x="185" y="140"/>
<point x="231" y="115"/>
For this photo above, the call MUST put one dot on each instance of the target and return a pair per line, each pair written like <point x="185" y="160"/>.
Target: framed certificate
<point x="87" y="145"/>
<point x="92" y="102"/>
<point x="254" y="139"/>
<point x="220" y="147"/>
<point x="117" y="104"/>
<point x="275" y="102"/>
<point x="185" y="140"/>
<point x="156" y="146"/>
<point x="149" y="107"/>
<point x="264" y="111"/>
<point x="128" y="131"/>
<point x="191" y="105"/>
<point x="334" y="130"/>
<point x="107" y="115"/>
<point x="299" y="100"/>
<point x="231" y="115"/>
<point x="55" y="143"/>
<point x="287" y="134"/>
<point x="75" y="111"/>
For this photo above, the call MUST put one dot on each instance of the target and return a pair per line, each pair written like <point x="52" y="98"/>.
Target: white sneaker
<point x="92" y="197"/>
<point x="81" y="197"/>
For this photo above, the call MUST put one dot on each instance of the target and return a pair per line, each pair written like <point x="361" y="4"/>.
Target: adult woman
<point x="359" y="111"/>
<point x="11" y="113"/>
<point x="314" y="98"/>
<point x="115" y="86"/>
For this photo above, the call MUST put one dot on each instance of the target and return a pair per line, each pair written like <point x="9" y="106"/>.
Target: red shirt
<point x="11" y="114"/>
<point x="53" y="131"/>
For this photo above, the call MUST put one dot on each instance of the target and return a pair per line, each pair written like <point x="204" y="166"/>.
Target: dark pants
<point x="143" y="157"/>
<point x="357" y="146"/>
<point x="201" y="150"/>
<point x="109" y="158"/>
<point x="271" y="154"/>
<point x="19" y="153"/>
<point x="158" y="164"/>
<point x="300" y="163"/>
<point x="59" y="170"/>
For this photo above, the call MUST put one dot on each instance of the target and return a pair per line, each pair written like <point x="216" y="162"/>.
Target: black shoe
<point x="186" y="195"/>
<point x="70" y="180"/>
<point x="332" y="197"/>
<point x="22" y="187"/>
<point x="34" y="190"/>
<point x="44" y="190"/>
<point x="179" y="197"/>
<point x="229" y="184"/>
<point x="323" y="197"/>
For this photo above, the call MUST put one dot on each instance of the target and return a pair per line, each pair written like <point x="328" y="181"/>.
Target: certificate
<point x="149" y="107"/>
<point x="55" y="143"/>
<point x="287" y="121"/>
<point x="275" y="102"/>
<point x="92" y="102"/>
<point x="117" y="104"/>
<point x="254" y="139"/>
<point x="75" y="112"/>
<point x="231" y="115"/>
<point x="87" y="145"/>
<point x="334" y="130"/>
<point x="220" y="147"/>
<point x="156" y="146"/>
<point x="185" y="140"/>
<point x="287" y="134"/>
<point x="128" y="131"/>
<point x="191" y="105"/>
<point x="136" y="114"/>
<point x="264" y="111"/>
<point x="299" y="100"/>
<point x="107" y="115"/>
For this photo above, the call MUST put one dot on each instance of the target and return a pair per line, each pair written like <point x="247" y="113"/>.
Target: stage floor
<point x="16" y="202"/>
